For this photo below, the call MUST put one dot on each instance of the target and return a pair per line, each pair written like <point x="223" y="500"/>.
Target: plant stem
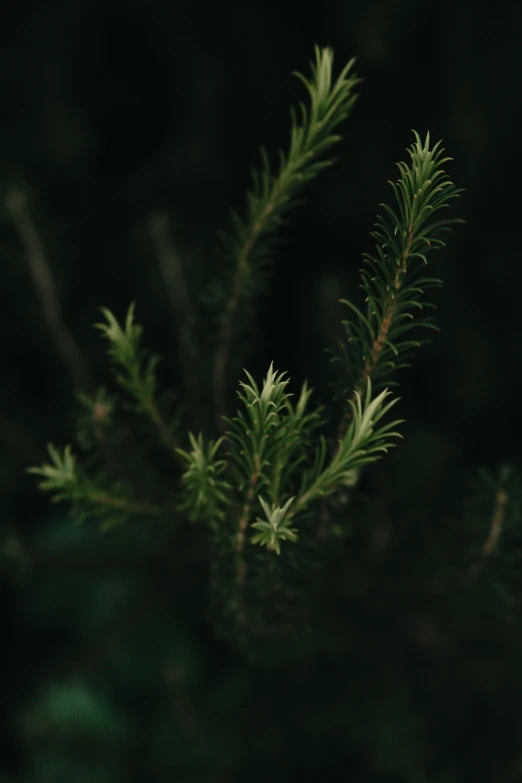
<point x="104" y="499"/>
<point x="62" y="337"/>
<point x="497" y="521"/>
<point x="222" y="356"/>
<point x="373" y="359"/>
<point x="243" y="521"/>
<point x="370" y="364"/>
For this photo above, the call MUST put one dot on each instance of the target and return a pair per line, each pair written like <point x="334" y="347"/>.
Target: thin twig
<point x="222" y="356"/>
<point x="62" y="337"/>
<point x="243" y="523"/>
<point x="133" y="507"/>
<point x="497" y="521"/>
<point x="167" y="436"/>
<point x="373" y="359"/>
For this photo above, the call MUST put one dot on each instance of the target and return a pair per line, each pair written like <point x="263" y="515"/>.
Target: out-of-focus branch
<point x="62" y="337"/>
<point x="497" y="521"/>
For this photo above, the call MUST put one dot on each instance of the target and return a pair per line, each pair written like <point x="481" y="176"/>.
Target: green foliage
<point x="259" y="482"/>
<point x="138" y="370"/>
<point x="135" y="371"/>
<point x="252" y="498"/>
<point x="361" y="445"/>
<point x="88" y="498"/>
<point x="59" y="475"/>
<point x="247" y="251"/>
<point x="270" y="442"/>
<point x="312" y="136"/>
<point x="377" y="343"/>
<point x="207" y="494"/>
<point x="275" y="528"/>
<point x="269" y="437"/>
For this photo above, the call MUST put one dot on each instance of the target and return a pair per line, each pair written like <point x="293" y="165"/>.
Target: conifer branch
<point x="66" y="481"/>
<point x="375" y="343"/>
<point x="45" y="285"/>
<point x="247" y="251"/>
<point x="255" y="486"/>
<point x="269" y="442"/>
<point x="361" y="445"/>
<point x="275" y="528"/>
<point x="255" y="435"/>
<point x="506" y="498"/>
<point x="207" y="493"/>
<point x="137" y="371"/>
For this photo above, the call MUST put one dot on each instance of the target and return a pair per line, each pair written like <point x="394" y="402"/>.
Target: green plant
<point x="263" y="490"/>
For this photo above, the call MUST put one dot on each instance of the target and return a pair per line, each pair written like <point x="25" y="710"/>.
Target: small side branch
<point x="243" y="523"/>
<point x="132" y="507"/>
<point x="163" y="429"/>
<point x="63" y="339"/>
<point x="495" y="530"/>
<point x="222" y="355"/>
<point x="139" y="371"/>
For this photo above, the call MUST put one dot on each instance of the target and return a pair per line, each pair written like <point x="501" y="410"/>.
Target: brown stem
<point x="373" y="359"/>
<point x="371" y="363"/>
<point x="243" y="522"/>
<point x="497" y="521"/>
<point x="46" y="289"/>
<point x="223" y="351"/>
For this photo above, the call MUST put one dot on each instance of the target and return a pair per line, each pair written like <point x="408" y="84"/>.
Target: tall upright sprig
<point x="273" y="442"/>
<point x="247" y="250"/>
<point x="267" y="438"/>
<point x="377" y="342"/>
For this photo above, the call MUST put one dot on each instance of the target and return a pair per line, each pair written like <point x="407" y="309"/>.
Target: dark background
<point x="111" y="111"/>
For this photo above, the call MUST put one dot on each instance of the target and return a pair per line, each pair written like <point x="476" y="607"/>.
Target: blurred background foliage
<point x="114" y="111"/>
